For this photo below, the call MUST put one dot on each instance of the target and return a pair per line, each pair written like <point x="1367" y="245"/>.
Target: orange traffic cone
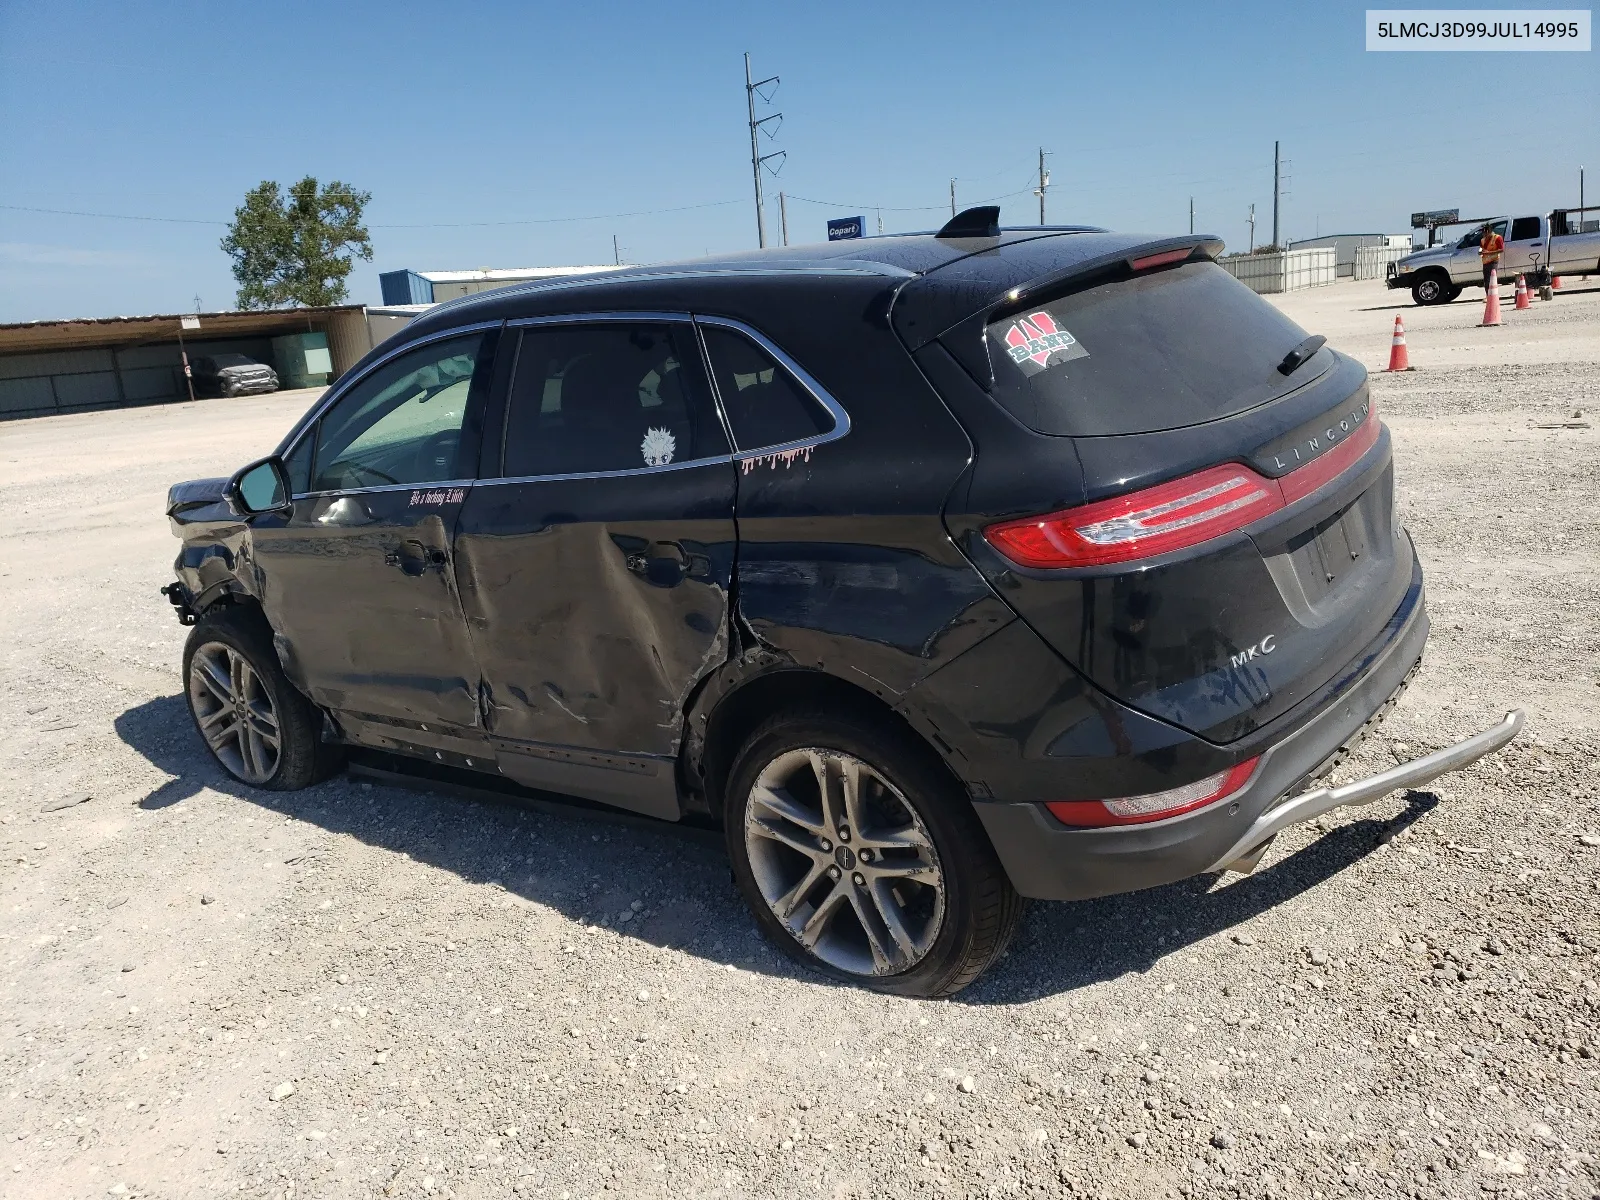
<point x="1555" y="281"/>
<point x="1399" y="360"/>
<point x="1491" y="300"/>
<point x="1522" y="292"/>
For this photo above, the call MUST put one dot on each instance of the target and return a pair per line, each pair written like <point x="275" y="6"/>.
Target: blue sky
<point x="458" y="116"/>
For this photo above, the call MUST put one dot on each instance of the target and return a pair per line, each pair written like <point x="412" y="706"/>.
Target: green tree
<point x="297" y="248"/>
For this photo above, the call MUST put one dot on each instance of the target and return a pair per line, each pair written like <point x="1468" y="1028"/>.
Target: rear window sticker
<point x="658" y="447"/>
<point x="1035" y="342"/>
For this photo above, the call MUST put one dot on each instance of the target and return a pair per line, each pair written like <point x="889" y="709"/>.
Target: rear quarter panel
<point x="844" y="564"/>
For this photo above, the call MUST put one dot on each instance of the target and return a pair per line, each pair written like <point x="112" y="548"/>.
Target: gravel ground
<point x="365" y="990"/>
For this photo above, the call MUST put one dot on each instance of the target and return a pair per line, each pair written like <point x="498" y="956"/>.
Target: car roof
<point x="892" y="257"/>
<point x="931" y="281"/>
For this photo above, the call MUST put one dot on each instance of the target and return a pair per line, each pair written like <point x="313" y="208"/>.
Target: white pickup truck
<point x="1535" y="246"/>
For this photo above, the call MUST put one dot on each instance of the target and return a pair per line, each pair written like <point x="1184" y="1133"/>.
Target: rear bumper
<point x="1050" y="861"/>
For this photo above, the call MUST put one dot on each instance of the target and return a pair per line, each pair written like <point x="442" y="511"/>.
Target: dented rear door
<point x="595" y="557"/>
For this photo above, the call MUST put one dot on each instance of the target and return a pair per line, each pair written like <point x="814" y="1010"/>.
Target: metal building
<point x="111" y="362"/>
<point x="1345" y="246"/>
<point x="433" y="287"/>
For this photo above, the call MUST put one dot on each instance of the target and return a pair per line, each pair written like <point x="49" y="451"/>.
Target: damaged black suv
<point x="943" y="570"/>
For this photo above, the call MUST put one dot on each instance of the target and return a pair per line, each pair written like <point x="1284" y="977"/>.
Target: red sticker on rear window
<point x="1035" y="342"/>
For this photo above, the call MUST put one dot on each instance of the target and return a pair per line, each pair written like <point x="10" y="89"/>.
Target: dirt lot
<point x="369" y="991"/>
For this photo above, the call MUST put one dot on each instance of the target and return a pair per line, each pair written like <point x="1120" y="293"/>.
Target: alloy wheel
<point x="844" y="862"/>
<point x="234" y="712"/>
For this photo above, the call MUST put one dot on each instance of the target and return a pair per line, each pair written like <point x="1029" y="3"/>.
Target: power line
<point x="651" y="212"/>
<point x="1022" y="191"/>
<point x="67" y="212"/>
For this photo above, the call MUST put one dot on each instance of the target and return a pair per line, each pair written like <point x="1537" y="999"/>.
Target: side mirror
<point x="261" y="487"/>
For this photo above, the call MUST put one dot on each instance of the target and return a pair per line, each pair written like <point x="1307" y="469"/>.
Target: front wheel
<point x="260" y="729"/>
<point x="860" y="857"/>
<point x="1433" y="289"/>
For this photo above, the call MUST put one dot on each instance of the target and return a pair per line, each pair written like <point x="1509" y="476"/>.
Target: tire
<point x="230" y="390"/>
<point x="1434" y="288"/>
<point x="229" y="653"/>
<point x="935" y="874"/>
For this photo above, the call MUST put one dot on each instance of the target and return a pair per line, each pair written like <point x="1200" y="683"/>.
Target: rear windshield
<point x="1158" y="351"/>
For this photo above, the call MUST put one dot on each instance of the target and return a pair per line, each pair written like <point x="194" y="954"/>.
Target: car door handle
<point x="414" y="558"/>
<point x="663" y="564"/>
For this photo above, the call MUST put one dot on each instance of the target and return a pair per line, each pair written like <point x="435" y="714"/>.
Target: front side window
<point x="402" y="423"/>
<point x="1476" y="236"/>
<point x="766" y="405"/>
<point x="615" y="396"/>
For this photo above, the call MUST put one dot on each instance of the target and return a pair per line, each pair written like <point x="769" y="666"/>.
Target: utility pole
<point x="952" y="197"/>
<point x="1252" y="229"/>
<point x="1044" y="182"/>
<point x="757" y="159"/>
<point x="783" y="218"/>
<point x="1276" y="165"/>
<point x="880" y="222"/>
<point x="616" y="254"/>
<point x="1191" y="214"/>
<point x="1580" y="202"/>
<point x="188" y="374"/>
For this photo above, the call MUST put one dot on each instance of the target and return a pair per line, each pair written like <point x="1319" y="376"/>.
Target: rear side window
<point x="611" y="397"/>
<point x="1524" y="229"/>
<point x="766" y="405"/>
<point x="1161" y="350"/>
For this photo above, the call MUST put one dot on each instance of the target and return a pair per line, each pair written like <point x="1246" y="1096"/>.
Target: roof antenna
<point x="983" y="221"/>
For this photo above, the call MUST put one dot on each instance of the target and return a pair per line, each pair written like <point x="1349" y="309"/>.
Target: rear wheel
<point x="258" y="727"/>
<point x="861" y="858"/>
<point x="1434" y="288"/>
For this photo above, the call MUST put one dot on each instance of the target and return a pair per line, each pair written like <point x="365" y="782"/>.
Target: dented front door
<point x="361" y="588"/>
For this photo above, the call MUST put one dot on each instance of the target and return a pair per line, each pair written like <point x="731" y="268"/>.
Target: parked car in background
<point x="941" y="570"/>
<point x="1537" y="247"/>
<point x="232" y="375"/>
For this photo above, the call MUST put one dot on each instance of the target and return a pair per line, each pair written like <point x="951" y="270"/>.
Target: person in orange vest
<point x="1490" y="246"/>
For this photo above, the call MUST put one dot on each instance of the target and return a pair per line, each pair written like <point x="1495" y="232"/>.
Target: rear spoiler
<point x="965" y="339"/>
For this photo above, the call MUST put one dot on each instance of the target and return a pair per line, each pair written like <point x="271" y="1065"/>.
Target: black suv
<point x="942" y="570"/>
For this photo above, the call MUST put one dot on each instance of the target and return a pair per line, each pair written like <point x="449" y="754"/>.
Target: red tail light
<point x="1170" y="516"/>
<point x="1155" y="806"/>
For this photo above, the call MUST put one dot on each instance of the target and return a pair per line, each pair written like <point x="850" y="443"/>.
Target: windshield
<point x="232" y="360"/>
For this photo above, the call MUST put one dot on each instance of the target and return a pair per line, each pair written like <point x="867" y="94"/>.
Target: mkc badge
<point x="1035" y="342"/>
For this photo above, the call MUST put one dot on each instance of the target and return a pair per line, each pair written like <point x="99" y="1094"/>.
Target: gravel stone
<point x="1459" y="1000"/>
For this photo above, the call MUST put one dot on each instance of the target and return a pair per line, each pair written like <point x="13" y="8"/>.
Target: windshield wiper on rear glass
<point x="1297" y="357"/>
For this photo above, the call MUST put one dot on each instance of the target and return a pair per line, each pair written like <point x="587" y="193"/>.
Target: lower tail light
<point x="1170" y="516"/>
<point x="1155" y="806"/>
